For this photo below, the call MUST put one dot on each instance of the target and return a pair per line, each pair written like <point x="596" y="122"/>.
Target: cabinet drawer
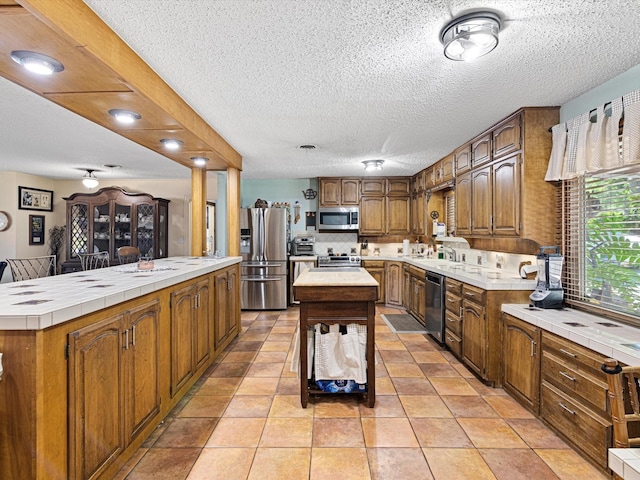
<point x="373" y="264"/>
<point x="417" y="272"/>
<point x="570" y="352"/>
<point x="588" y="432"/>
<point x="577" y="383"/>
<point x="453" y="304"/>
<point x="453" y="323"/>
<point x="453" y="342"/>
<point x="473" y="293"/>
<point x="453" y="286"/>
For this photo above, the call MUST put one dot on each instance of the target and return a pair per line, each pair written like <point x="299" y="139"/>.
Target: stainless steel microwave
<point x="338" y="219"/>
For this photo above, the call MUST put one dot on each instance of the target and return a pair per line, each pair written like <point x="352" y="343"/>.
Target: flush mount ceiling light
<point x="307" y="147"/>
<point x="124" y="116"/>
<point x="199" y="161"/>
<point x="171" y="144"/>
<point x="37" y="62"/>
<point x="89" y="180"/>
<point x="373" y="165"/>
<point x="470" y="36"/>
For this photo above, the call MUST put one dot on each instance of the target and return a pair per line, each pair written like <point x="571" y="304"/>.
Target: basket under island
<point x="337" y="295"/>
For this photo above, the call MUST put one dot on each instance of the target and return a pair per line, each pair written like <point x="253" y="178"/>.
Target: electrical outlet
<point x="464" y="257"/>
<point x="499" y="261"/>
<point x="479" y="259"/>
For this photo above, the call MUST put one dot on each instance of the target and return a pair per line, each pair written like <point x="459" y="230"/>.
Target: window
<point x="602" y="241"/>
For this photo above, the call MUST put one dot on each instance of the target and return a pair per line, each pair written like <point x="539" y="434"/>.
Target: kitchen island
<point x="93" y="361"/>
<point x="336" y="295"/>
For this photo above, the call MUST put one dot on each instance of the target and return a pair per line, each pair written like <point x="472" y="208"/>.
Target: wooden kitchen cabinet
<point x="474" y="329"/>
<point x="419" y="181"/>
<point x="574" y="396"/>
<point x="506" y="136"/>
<point x="113" y="387"/>
<point x="398" y="186"/>
<point x="463" y="205"/>
<point x="453" y="316"/>
<point x="406" y="287"/>
<point x="191" y="331"/>
<point x="393" y="283"/>
<point x="373" y="186"/>
<point x="521" y="347"/>
<point x="418" y="214"/>
<point x="481" y="201"/>
<point x="429" y="182"/>
<point x="398" y="216"/>
<point x="376" y="270"/>
<point x="481" y="151"/>
<point x="372" y="215"/>
<point x="462" y="156"/>
<point x="226" y="305"/>
<point x="417" y="296"/>
<point x="448" y="168"/>
<point x="505" y="196"/>
<point x="336" y="192"/>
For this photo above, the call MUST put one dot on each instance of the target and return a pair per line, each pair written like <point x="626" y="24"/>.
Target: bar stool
<point x="30" y="268"/>
<point x="128" y="254"/>
<point x="624" y="387"/>
<point x="91" y="261"/>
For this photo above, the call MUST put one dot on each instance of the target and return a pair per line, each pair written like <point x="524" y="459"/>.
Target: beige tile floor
<point x="432" y="420"/>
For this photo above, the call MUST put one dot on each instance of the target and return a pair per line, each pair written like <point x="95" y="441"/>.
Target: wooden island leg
<point x="303" y="368"/>
<point x="371" y="354"/>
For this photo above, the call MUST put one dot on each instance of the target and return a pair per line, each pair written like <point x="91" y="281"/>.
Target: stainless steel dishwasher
<point x="434" y="315"/>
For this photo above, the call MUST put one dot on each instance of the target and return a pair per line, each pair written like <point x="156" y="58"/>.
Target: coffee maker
<point x="548" y="292"/>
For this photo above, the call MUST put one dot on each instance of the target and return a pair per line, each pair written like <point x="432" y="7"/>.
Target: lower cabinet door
<point x="96" y="397"/>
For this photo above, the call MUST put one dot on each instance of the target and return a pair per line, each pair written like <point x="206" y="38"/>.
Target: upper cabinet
<point x="398" y="186"/>
<point x="335" y="192"/>
<point x="112" y="218"/>
<point x="506" y="136"/>
<point x="505" y="194"/>
<point x="373" y="186"/>
<point x="448" y="168"/>
<point x="462" y="157"/>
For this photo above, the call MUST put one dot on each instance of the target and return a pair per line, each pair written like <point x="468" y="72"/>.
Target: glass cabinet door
<point x="145" y="240"/>
<point x="101" y="228"/>
<point x="79" y="230"/>
<point x="121" y="228"/>
<point x="162" y="230"/>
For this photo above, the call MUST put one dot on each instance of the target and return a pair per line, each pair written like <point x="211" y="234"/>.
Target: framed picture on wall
<point x="36" y="229"/>
<point x="35" y="199"/>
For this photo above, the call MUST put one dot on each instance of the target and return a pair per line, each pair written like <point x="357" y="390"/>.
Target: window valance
<point x="592" y="142"/>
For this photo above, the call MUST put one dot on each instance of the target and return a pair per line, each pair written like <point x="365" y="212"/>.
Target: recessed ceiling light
<point x="199" y="161"/>
<point x="171" y="143"/>
<point x="124" y="116"/>
<point x="37" y="62"/>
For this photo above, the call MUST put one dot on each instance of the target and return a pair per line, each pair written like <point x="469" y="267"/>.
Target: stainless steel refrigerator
<point x="263" y="245"/>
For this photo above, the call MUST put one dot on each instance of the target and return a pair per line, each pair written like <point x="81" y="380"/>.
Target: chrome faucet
<point x="451" y="253"/>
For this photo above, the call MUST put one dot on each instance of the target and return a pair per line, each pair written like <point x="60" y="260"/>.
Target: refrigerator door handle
<point x="262" y="279"/>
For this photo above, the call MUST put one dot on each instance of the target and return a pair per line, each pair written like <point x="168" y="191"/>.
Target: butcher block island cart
<point x="336" y="296"/>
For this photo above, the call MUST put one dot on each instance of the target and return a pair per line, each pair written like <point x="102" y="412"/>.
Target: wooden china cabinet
<point x="111" y="218"/>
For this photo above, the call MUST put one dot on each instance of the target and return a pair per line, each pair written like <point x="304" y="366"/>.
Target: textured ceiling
<point x="360" y="79"/>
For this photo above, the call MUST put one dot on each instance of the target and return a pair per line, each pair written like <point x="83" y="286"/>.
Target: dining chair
<point x="128" y="254"/>
<point x="30" y="268"/>
<point x="91" y="261"/>
<point x="624" y="387"/>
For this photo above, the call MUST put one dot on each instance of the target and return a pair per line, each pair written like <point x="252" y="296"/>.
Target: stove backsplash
<point x="340" y="242"/>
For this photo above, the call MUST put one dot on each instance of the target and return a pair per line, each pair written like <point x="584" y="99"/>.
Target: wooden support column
<point x="233" y="211"/>
<point x="198" y="211"/>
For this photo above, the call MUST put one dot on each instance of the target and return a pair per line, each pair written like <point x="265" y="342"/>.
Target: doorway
<point x="211" y="228"/>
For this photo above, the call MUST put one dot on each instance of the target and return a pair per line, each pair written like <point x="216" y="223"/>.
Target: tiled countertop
<point x="625" y="462"/>
<point x="335" y="277"/>
<point x="44" y="302"/>
<point x="607" y="337"/>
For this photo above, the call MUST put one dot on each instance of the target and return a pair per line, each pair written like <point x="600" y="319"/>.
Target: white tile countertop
<point x="607" y="337"/>
<point x="44" y="302"/>
<point x="625" y="462"/>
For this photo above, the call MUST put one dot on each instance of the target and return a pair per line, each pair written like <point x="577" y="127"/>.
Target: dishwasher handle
<point x="435" y="279"/>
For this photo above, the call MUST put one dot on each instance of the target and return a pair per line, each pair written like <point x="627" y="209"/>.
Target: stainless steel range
<point x="343" y="261"/>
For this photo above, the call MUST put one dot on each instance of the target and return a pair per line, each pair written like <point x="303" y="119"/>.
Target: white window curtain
<point x="591" y="142"/>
